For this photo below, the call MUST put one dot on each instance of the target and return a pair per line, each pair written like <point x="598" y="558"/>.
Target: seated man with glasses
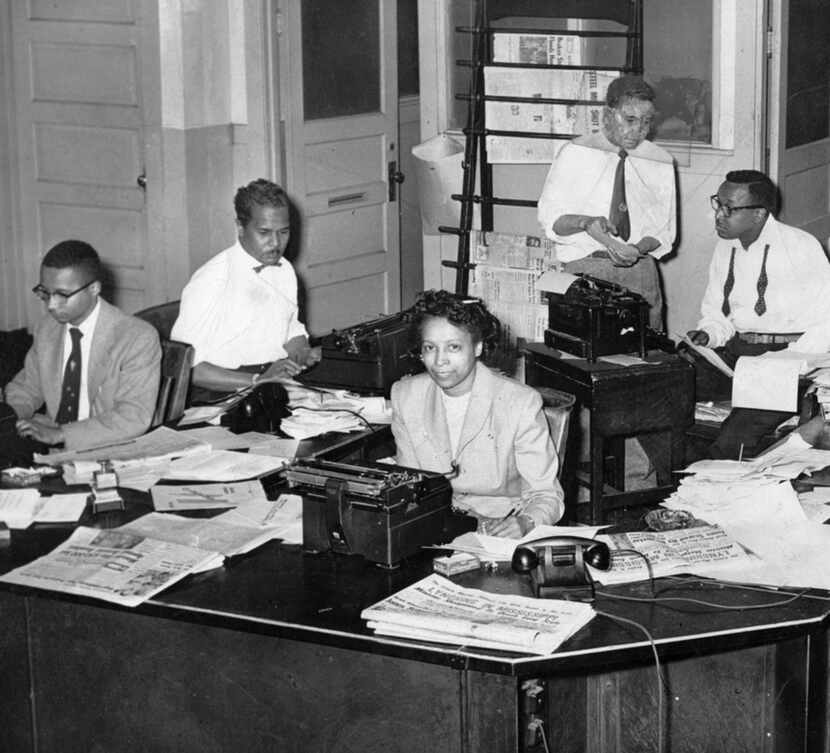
<point x="766" y="280"/>
<point x="94" y="368"/>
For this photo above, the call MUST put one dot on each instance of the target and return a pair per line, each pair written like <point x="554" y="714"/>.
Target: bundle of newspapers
<point x="437" y="610"/>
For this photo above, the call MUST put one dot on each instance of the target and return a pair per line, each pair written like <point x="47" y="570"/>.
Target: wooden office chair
<point x="558" y="406"/>
<point x="162" y="317"/>
<point x="176" y="363"/>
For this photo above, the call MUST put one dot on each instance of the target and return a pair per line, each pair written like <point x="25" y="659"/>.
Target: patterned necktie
<point x="763" y="281"/>
<point x="728" y="284"/>
<point x="71" y="390"/>
<point x="618" y="215"/>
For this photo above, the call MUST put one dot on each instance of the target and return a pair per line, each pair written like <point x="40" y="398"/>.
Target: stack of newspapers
<point x="437" y="610"/>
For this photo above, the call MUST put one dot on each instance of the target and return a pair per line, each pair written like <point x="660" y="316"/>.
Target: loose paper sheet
<point x="766" y="384"/>
<point x="555" y="282"/>
<point x="206" y="496"/>
<point x="707" y="354"/>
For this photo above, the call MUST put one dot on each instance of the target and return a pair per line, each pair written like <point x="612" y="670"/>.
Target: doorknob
<point x="394" y="176"/>
<point x="142" y="181"/>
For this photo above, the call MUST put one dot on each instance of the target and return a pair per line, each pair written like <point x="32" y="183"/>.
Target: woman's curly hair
<point x="466" y="313"/>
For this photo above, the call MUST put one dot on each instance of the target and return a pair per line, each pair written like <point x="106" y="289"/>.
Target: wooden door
<point x="799" y="112"/>
<point x="339" y="104"/>
<point x="83" y="72"/>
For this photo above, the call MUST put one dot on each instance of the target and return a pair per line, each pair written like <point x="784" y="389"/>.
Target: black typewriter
<point x="597" y="318"/>
<point x="366" y="358"/>
<point x="383" y="512"/>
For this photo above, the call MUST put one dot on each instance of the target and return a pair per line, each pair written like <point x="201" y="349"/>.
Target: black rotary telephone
<point x="556" y="565"/>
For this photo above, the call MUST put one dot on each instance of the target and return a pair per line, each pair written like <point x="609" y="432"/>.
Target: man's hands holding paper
<point x="301" y="356"/>
<point x="603" y="231"/>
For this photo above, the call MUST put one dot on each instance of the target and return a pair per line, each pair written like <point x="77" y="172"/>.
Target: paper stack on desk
<point x="304" y="423"/>
<point x="19" y="508"/>
<point x="437" y="610"/>
<point x="214" y="534"/>
<point x="223" y="465"/>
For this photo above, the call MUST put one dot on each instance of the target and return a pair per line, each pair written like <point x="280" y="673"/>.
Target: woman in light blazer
<point x="484" y="430"/>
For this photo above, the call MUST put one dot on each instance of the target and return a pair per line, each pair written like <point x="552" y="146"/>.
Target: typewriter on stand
<point x="383" y="512"/>
<point x="594" y="318"/>
<point x="366" y="358"/>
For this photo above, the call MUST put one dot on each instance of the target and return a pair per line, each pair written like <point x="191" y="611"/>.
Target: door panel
<point x="336" y="168"/>
<point x="81" y="135"/>
<point x="800" y="113"/>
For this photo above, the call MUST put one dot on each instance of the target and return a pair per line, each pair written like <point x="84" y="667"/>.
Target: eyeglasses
<point x="46" y="295"/>
<point x="727" y="210"/>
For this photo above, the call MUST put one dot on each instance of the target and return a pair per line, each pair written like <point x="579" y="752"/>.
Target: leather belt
<point x="768" y="338"/>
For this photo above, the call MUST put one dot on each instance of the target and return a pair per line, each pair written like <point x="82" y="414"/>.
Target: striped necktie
<point x="71" y="389"/>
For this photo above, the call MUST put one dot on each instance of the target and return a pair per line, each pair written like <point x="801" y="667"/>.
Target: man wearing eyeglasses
<point x="95" y="368"/>
<point x="766" y="280"/>
<point x="609" y="198"/>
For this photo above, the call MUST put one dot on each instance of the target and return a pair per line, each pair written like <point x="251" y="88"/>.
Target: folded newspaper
<point x="114" y="565"/>
<point x="686" y="550"/>
<point x="436" y="609"/>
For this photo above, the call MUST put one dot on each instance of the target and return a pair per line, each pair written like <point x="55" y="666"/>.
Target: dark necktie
<point x="728" y="284"/>
<point x="763" y="281"/>
<point x="71" y="390"/>
<point x="619" y="207"/>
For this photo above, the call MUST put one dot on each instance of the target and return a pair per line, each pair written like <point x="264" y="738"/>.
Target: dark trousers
<point x="746" y="431"/>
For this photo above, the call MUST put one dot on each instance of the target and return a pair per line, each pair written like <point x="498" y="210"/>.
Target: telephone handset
<point x="557" y="563"/>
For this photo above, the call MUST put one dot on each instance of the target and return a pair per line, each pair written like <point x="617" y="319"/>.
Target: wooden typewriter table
<point x="654" y="399"/>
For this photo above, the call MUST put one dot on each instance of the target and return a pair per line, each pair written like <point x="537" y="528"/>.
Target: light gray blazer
<point x="505" y="449"/>
<point x="122" y="378"/>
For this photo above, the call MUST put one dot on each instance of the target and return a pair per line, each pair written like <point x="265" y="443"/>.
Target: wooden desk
<point x="269" y="653"/>
<point x="655" y="399"/>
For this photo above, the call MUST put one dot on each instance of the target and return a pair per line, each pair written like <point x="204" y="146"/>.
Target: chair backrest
<point x="162" y="317"/>
<point x="176" y="363"/>
<point x="558" y="406"/>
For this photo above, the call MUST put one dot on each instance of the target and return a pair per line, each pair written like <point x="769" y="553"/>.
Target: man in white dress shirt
<point x="609" y="198"/>
<point x="239" y="310"/>
<point x="767" y="286"/>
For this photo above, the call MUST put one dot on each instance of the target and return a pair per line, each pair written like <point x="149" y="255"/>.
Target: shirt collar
<point x="768" y="234"/>
<point x="246" y="260"/>
<point x="87" y="326"/>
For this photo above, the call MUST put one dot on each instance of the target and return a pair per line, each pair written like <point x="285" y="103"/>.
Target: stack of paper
<point x="821" y="384"/>
<point x="303" y="423"/>
<point x="159" y="443"/>
<point x="283" y="517"/>
<point x="222" y="438"/>
<point x="213" y="534"/>
<point x="436" y="609"/>
<point x="223" y="465"/>
<point x="113" y="565"/>
<point x="19" y="508"/>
